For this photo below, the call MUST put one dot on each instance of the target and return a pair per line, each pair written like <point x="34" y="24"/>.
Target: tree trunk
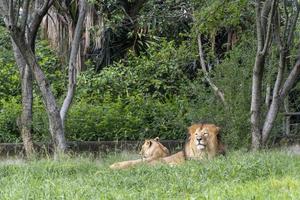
<point x="27" y="99"/>
<point x="55" y="122"/>
<point x="287" y="117"/>
<point x="23" y="32"/>
<point x="256" y="101"/>
<point x="279" y="91"/>
<point x="264" y="17"/>
<point x="72" y="62"/>
<point x="268" y="95"/>
<point x="276" y="100"/>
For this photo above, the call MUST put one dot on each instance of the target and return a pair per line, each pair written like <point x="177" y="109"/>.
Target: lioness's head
<point x="153" y="148"/>
<point x="202" y="138"/>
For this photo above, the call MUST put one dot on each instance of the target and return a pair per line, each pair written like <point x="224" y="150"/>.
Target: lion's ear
<point x="156" y="139"/>
<point x="218" y="129"/>
<point x="193" y="128"/>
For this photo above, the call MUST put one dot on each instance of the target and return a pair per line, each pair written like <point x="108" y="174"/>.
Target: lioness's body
<point x="202" y="143"/>
<point x="151" y="150"/>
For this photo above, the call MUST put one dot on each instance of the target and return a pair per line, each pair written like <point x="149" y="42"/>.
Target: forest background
<point x="148" y="68"/>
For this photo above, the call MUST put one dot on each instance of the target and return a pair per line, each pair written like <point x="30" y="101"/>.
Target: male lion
<point x="151" y="150"/>
<point x="203" y="142"/>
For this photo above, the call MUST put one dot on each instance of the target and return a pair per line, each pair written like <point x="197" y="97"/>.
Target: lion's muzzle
<point x="199" y="142"/>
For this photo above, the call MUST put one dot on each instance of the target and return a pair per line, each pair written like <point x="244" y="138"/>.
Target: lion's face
<point x="153" y="148"/>
<point x="202" y="138"/>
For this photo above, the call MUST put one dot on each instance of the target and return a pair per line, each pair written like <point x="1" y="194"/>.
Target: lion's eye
<point x="205" y="134"/>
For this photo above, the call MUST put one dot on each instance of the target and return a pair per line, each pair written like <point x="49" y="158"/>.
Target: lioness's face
<point x="145" y="146"/>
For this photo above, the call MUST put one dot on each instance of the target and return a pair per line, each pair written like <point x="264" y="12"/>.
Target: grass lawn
<point x="241" y="175"/>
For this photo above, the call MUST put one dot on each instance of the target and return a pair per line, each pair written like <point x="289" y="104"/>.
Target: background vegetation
<point x="152" y="84"/>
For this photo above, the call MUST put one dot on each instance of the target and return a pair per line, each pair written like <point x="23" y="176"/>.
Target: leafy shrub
<point x="144" y="98"/>
<point x="133" y="118"/>
<point x="9" y="112"/>
<point x="154" y="95"/>
<point x="234" y="76"/>
<point x="9" y="75"/>
<point x="157" y="75"/>
<point x="53" y="68"/>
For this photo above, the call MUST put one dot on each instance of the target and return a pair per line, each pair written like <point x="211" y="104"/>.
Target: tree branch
<point x="11" y="18"/>
<point x="4" y="8"/>
<point x="292" y="27"/>
<point x="268" y="37"/>
<point x="24" y="17"/>
<point x="282" y="58"/>
<point x="217" y="91"/>
<point x="37" y="19"/>
<point x="72" y="61"/>
<point x="286" y="17"/>
<point x="291" y="79"/>
<point x="258" y="26"/>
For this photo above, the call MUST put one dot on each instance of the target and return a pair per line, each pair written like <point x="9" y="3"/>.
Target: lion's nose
<point x="198" y="137"/>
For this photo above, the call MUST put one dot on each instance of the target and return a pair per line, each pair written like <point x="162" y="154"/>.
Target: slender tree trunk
<point x="271" y="116"/>
<point x="27" y="99"/>
<point x="287" y="117"/>
<point x="264" y="17"/>
<point x="276" y="101"/>
<point x="268" y="95"/>
<point x="72" y="62"/>
<point x="256" y="101"/>
<point x="26" y="117"/>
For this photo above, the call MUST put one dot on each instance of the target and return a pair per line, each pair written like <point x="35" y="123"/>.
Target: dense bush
<point x="9" y="113"/>
<point x="147" y="96"/>
<point x="9" y="75"/>
<point x="154" y="95"/>
<point x="158" y="75"/>
<point x="133" y="118"/>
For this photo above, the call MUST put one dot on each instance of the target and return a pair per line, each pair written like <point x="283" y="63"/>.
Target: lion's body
<point x="151" y="150"/>
<point x="202" y="143"/>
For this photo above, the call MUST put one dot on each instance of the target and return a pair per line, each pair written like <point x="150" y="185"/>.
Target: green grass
<point x="241" y="175"/>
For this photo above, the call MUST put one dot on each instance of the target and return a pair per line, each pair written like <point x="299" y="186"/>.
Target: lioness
<point x="202" y="143"/>
<point x="151" y="150"/>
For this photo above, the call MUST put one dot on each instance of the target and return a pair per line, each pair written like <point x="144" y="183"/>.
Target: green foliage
<point x="233" y="76"/>
<point x="9" y="113"/>
<point x="51" y="65"/>
<point x="159" y="91"/>
<point x="169" y="19"/>
<point x="241" y="175"/>
<point x="10" y="103"/>
<point x="154" y="95"/>
<point x="9" y="75"/>
<point x="213" y="15"/>
<point x="157" y="75"/>
<point x="134" y="118"/>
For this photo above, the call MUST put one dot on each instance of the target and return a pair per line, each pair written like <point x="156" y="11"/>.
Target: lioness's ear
<point x="149" y="142"/>
<point x="156" y="139"/>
